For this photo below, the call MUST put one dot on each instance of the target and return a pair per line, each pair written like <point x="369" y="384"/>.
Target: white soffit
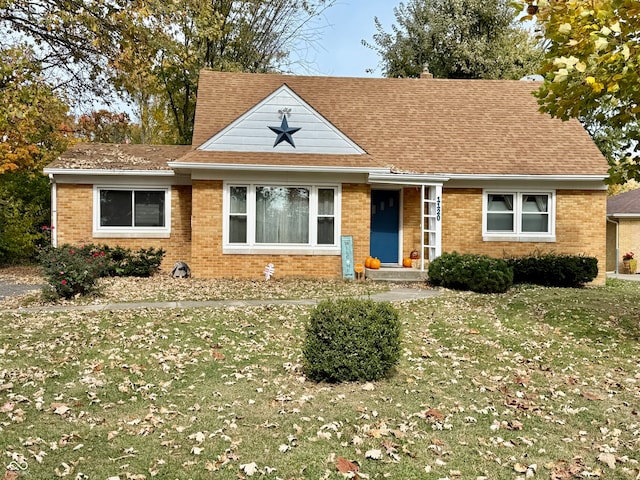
<point x="305" y="130"/>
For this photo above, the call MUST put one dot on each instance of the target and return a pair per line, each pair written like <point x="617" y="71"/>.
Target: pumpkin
<point x="375" y="263"/>
<point x="367" y="262"/>
<point x="407" y="262"/>
<point x="415" y="255"/>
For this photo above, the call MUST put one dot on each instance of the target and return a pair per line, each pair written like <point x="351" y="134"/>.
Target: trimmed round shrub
<point x="478" y="273"/>
<point x="351" y="340"/>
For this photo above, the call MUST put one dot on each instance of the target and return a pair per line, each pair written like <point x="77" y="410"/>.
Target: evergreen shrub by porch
<point x="123" y="262"/>
<point x="478" y="273"/>
<point x="554" y="270"/>
<point x="351" y="340"/>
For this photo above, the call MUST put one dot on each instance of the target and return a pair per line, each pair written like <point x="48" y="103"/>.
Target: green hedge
<point x="554" y="270"/>
<point x="478" y="273"/>
<point x="351" y="340"/>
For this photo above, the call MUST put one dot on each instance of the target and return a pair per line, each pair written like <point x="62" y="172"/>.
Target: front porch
<point x="406" y="221"/>
<point x="396" y="274"/>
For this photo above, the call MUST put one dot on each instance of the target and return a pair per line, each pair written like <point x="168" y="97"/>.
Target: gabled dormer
<point x="282" y="123"/>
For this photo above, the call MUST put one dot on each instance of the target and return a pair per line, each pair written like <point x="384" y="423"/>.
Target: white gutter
<point x="95" y="171"/>
<point x="54" y="211"/>
<point x="273" y="168"/>
<point x="407" y="178"/>
<point x="624" y="215"/>
<point x="555" y="178"/>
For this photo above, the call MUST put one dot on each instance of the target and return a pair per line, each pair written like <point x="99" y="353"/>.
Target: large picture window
<point x="525" y="216"/>
<point x="281" y="216"/>
<point x="133" y="211"/>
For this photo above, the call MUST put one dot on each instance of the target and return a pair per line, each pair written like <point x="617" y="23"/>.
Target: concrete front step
<point x="396" y="274"/>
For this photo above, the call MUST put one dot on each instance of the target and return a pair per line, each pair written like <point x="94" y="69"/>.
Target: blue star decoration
<point x="285" y="133"/>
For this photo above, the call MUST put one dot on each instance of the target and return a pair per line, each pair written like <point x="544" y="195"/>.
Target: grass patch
<point x="538" y="379"/>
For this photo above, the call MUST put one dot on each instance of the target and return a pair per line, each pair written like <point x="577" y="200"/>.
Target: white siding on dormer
<point x="251" y="133"/>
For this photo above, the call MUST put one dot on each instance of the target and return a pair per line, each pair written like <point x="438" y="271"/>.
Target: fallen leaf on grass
<point x="561" y="470"/>
<point x="59" y="408"/>
<point x="249" y="468"/>
<point x="433" y="413"/>
<point x="373" y="454"/>
<point x="608" y="458"/>
<point x="10" y="475"/>
<point x="217" y="355"/>
<point x="591" y="396"/>
<point x="345" y="466"/>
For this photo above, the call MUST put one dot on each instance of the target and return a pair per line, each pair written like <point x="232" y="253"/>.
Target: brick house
<point x="283" y="168"/>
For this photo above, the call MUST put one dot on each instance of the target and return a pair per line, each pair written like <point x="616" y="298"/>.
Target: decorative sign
<point x="269" y="270"/>
<point x="347" y="257"/>
<point x="284" y="131"/>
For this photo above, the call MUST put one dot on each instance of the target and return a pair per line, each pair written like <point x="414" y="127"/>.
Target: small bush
<point x="126" y="263"/>
<point x="554" y="270"/>
<point x="478" y="273"/>
<point x="351" y="340"/>
<point x="72" y="271"/>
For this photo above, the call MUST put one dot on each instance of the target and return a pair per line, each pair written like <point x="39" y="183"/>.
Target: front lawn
<point x="534" y="383"/>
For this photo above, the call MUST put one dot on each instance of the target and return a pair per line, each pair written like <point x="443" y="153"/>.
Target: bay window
<point x="268" y="217"/>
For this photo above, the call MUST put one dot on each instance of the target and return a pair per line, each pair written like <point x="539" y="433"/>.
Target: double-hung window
<point x="143" y="212"/>
<point x="281" y="217"/>
<point x="519" y="216"/>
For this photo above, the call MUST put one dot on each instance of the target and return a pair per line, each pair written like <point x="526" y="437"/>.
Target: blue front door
<point x="385" y="225"/>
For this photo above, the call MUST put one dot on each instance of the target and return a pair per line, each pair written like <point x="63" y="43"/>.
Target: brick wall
<point x="75" y="223"/>
<point x="411" y="221"/>
<point x="629" y="239"/>
<point x="207" y="260"/>
<point x="196" y="235"/>
<point x="580" y="226"/>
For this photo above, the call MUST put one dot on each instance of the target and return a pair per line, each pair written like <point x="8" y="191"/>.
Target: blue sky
<point x="339" y="50"/>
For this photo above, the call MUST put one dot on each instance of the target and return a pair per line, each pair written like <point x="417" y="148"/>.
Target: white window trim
<point x="252" y="248"/>
<point x="518" y="235"/>
<point x="131" y="232"/>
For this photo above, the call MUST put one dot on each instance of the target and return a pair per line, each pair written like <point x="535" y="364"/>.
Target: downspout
<point x="617" y="224"/>
<point x="54" y="211"/>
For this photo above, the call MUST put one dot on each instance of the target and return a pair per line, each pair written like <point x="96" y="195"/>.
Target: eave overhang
<point x="103" y="172"/>
<point x="274" y="168"/>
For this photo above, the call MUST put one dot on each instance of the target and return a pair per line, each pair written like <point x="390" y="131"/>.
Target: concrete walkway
<point x="393" y="295"/>
<point x="624" y="276"/>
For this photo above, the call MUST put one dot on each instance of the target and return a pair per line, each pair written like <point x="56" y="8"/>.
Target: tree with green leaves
<point x="456" y="39"/>
<point x="34" y="130"/>
<point x="592" y="72"/>
<point x="152" y="51"/>
<point x="173" y="41"/>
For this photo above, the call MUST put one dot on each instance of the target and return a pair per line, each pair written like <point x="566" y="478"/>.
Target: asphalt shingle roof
<point x="429" y="126"/>
<point x="627" y="203"/>
<point x="110" y="156"/>
<point x="413" y="125"/>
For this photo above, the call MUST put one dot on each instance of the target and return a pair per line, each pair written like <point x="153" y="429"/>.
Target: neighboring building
<point x="623" y="229"/>
<point x="282" y="167"/>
